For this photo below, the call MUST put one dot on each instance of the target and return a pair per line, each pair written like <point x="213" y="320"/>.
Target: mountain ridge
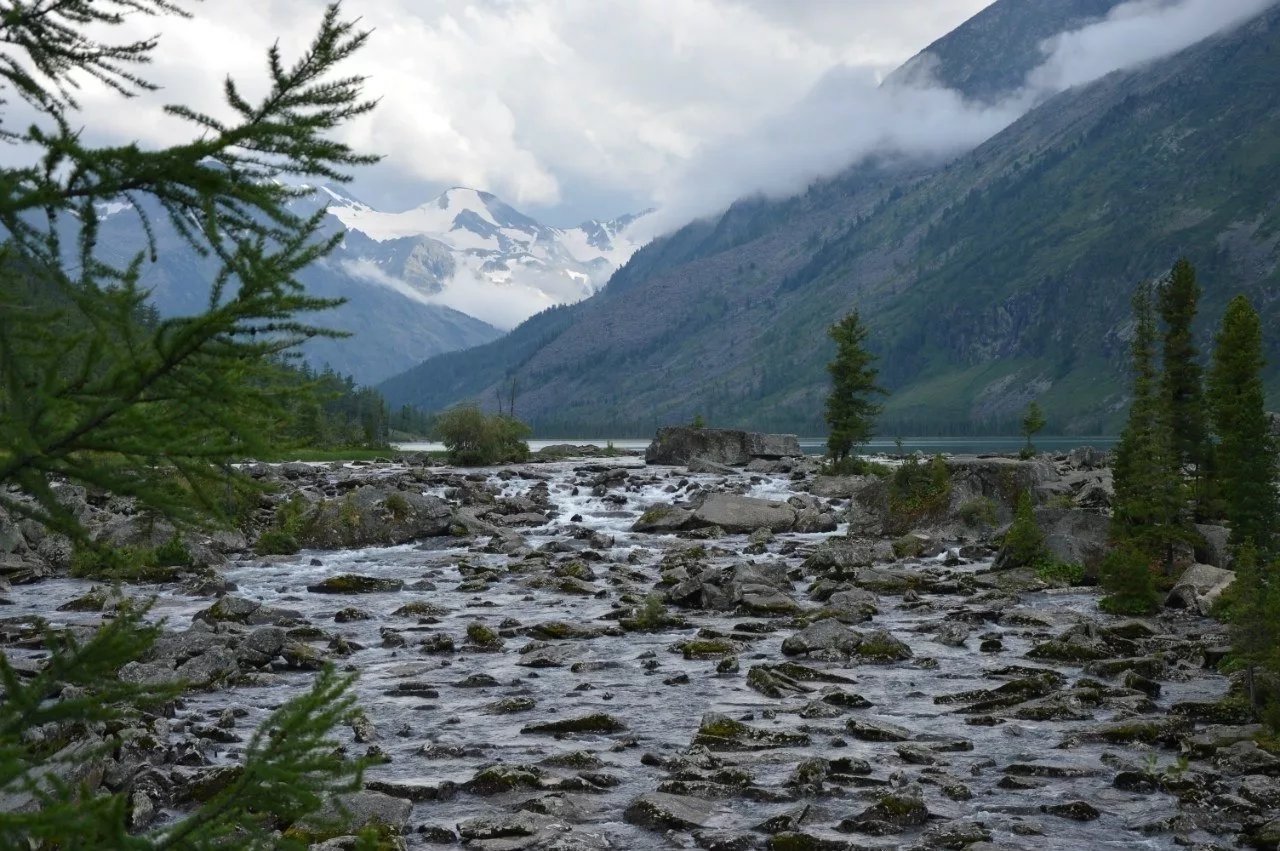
<point x="975" y="308"/>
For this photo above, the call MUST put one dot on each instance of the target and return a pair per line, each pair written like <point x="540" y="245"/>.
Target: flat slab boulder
<point x="744" y="514"/>
<point x="678" y="445"/>
<point x="663" y="518"/>
<point x="662" y="812"/>
<point x="374" y="516"/>
<point x="1198" y="587"/>
<point x="353" y="583"/>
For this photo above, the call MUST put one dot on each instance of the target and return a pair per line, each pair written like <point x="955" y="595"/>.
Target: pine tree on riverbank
<point x="97" y="390"/>
<point x="1181" y="381"/>
<point x="1149" y="494"/>
<point x="1246" y="460"/>
<point x="851" y="407"/>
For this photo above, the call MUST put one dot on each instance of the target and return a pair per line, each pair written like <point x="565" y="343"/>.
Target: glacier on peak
<point x="469" y="250"/>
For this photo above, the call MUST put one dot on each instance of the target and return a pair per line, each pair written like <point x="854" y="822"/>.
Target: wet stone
<point x="660" y="812"/>
<point x="351" y="583"/>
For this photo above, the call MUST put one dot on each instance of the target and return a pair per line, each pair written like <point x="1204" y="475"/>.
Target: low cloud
<point x="848" y="116"/>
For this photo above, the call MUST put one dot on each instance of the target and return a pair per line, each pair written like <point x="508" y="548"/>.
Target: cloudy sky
<point x="568" y="109"/>
<point x="576" y="109"/>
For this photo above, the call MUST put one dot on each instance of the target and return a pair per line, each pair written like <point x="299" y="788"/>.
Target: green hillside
<point x="999" y="277"/>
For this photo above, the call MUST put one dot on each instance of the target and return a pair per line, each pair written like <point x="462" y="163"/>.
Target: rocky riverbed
<point x="596" y="653"/>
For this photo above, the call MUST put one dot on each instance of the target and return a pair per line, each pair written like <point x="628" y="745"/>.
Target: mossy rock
<point x="482" y="637"/>
<point x="709" y="648"/>
<point x="881" y="648"/>
<point x="576" y="570"/>
<point x="1147" y="731"/>
<point x="1064" y="651"/>
<point x="575" y="759"/>
<point x="893" y="813"/>
<point x="559" y="631"/>
<point x="804" y="842"/>
<point x="352" y="583"/>
<point x="496" y="779"/>
<point x="94" y="601"/>
<point x="722" y="733"/>
<point x="351" y="614"/>
<point x="510" y="706"/>
<point x="598" y="722"/>
<point x="210" y="782"/>
<point x="910" y="546"/>
<point x="276" y="542"/>
<point x="420" y="609"/>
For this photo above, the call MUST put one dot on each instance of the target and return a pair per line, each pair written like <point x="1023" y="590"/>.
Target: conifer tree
<point x="97" y="389"/>
<point x="87" y="391"/>
<point x="851" y="407"/>
<point x="1146" y="517"/>
<point x="1254" y="614"/>
<point x="1182" y="378"/>
<point x="1246" y="461"/>
<point x="1032" y="422"/>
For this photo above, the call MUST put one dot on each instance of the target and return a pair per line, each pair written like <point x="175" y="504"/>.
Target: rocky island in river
<point x="721" y="648"/>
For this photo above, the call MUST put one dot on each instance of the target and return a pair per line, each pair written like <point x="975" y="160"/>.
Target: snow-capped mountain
<point x="470" y="251"/>
<point x="448" y="275"/>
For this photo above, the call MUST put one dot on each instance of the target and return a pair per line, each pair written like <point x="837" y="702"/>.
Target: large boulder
<point x="1198" y="587"/>
<point x="372" y="516"/>
<point x="994" y="484"/>
<point x="1074" y="536"/>
<point x="679" y="445"/>
<point x="661" y="812"/>
<point x="762" y="589"/>
<point x="743" y="514"/>
<point x="1001" y="480"/>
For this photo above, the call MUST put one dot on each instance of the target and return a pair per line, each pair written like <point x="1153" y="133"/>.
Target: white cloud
<point x="848" y="116"/>
<point x="1135" y="33"/>
<point x="580" y="108"/>
<point x="543" y="102"/>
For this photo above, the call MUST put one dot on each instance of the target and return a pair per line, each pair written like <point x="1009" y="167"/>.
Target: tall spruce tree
<point x="851" y="407"/>
<point x="1245" y="456"/>
<point x="1182" y="379"/>
<point x="98" y="390"/>
<point x="1146" y="521"/>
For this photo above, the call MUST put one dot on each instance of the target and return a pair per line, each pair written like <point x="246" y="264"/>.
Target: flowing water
<point x="627" y="676"/>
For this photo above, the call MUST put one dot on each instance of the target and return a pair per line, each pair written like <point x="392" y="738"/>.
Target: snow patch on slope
<point x="469" y="250"/>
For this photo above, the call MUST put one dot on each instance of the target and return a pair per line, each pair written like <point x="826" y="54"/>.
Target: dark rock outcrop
<point x="678" y="445"/>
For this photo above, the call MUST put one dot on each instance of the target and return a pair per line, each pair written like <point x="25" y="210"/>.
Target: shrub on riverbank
<point x="474" y="438"/>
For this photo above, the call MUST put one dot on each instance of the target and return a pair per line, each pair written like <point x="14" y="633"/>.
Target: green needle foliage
<point x="92" y="391"/>
<point x="98" y="390"/>
<point x="1181" y="380"/>
<point x="1033" y="421"/>
<point x="291" y="764"/>
<point x="1147" y="518"/>
<point x="1149" y="492"/>
<point x="1246" y="459"/>
<point x="1252" y="605"/>
<point x="851" y="407"/>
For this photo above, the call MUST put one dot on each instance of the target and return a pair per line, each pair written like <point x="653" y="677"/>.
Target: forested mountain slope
<point x="1000" y="277"/>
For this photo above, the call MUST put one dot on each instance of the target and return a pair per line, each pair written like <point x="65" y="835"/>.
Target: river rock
<point x="1075" y="536"/>
<point x="894" y="813"/>
<point x="663" y="518"/>
<point x="660" y="811"/>
<point x="367" y="808"/>
<point x="833" y="641"/>
<point x="1245" y="757"/>
<point x="1198" y="587"/>
<point x="374" y="516"/>
<point x="352" y="583"/>
<point x="678" y="445"/>
<point x="721" y="733"/>
<point x="743" y="515"/>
